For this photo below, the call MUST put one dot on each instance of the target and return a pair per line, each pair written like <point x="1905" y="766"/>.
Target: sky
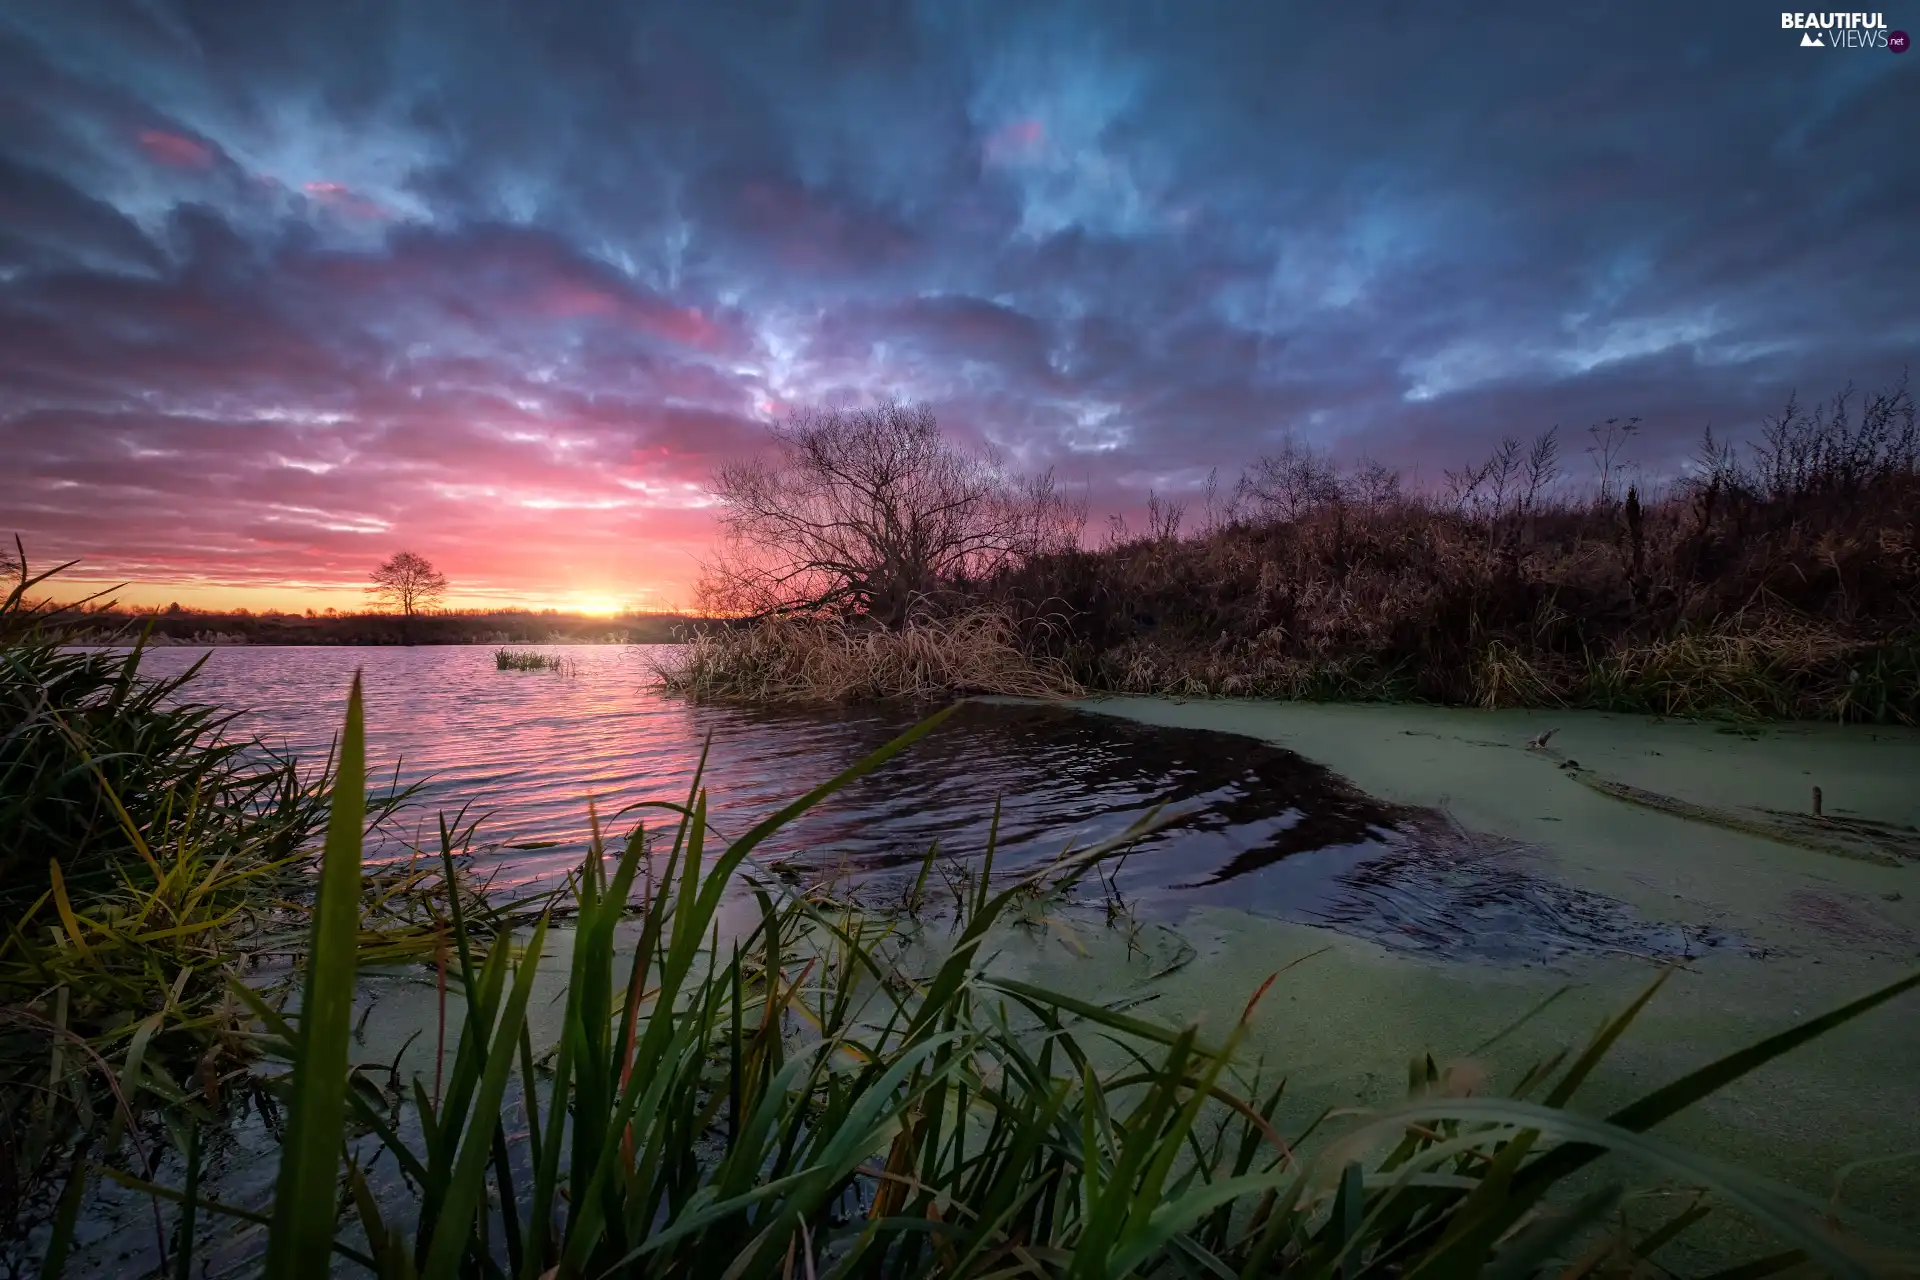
<point x="286" y="287"/>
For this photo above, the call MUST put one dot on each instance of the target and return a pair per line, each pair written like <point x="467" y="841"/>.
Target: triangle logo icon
<point x="1812" y="41"/>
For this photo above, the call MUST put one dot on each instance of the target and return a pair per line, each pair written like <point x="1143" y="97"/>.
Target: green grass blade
<point x="1170" y="1219"/>
<point x="1612" y="1031"/>
<point x="183" y="1260"/>
<point x="61" y="1243"/>
<point x="300" y="1242"/>
<point x="1662" y="1236"/>
<point x="174" y="1195"/>
<point x="1695" y="1085"/>
<point x="1097" y="1014"/>
<point x="1789" y="1213"/>
<point x="466" y="1187"/>
<point x="1524" y="1256"/>
<point x="1772" y="1265"/>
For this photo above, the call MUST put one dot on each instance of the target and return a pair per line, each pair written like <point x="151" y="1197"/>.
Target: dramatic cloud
<point x="284" y="287"/>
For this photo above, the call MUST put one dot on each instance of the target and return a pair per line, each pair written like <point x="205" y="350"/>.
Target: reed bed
<point x="830" y="1095"/>
<point x="534" y="660"/>
<point x="1402" y="603"/>
<point x="1754" y="670"/>
<point x="801" y="660"/>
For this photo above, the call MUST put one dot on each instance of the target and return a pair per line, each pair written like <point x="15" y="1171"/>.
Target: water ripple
<point x="1269" y="831"/>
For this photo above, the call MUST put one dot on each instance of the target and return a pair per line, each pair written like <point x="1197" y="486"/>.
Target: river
<point x="1268" y="829"/>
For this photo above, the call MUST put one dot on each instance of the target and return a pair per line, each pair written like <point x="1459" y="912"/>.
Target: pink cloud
<point x="683" y="325"/>
<point x="497" y="278"/>
<point x="258" y="422"/>
<point x="573" y="299"/>
<point x="568" y="299"/>
<point x="1015" y="141"/>
<point x="176" y="149"/>
<point x="335" y="195"/>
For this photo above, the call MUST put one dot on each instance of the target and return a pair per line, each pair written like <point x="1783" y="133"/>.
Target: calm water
<point x="1270" y="831"/>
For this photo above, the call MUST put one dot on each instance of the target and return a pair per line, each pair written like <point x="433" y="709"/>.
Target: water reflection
<point x="1269" y="830"/>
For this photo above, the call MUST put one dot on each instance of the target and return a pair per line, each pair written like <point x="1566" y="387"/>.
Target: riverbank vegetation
<point x="832" y="1093"/>
<point x="149" y="857"/>
<point x="1774" y="579"/>
<point x="837" y="659"/>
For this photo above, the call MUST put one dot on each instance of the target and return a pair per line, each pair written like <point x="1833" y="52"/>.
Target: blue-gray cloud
<point x="411" y="247"/>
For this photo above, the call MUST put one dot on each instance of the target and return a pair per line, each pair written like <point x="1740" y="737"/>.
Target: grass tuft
<point x="534" y="660"/>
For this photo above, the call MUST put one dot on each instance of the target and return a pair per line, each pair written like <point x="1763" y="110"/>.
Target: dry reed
<point x="797" y="660"/>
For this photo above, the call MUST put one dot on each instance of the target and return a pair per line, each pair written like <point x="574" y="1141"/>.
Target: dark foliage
<point x="1784" y="581"/>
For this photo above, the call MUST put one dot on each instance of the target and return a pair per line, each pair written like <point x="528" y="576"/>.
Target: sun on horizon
<point x="300" y="598"/>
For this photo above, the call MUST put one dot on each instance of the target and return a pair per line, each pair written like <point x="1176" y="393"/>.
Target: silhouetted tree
<point x="409" y="583"/>
<point x="1289" y="482"/>
<point x="872" y="512"/>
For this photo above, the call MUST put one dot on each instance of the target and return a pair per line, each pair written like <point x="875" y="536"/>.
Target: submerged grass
<point x="830" y="1094"/>
<point x="533" y="660"/>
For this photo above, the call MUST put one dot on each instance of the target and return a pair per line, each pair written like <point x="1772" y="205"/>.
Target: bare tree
<point x="408" y="582"/>
<point x="1371" y="485"/>
<point x="1289" y="482"/>
<point x="873" y="512"/>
